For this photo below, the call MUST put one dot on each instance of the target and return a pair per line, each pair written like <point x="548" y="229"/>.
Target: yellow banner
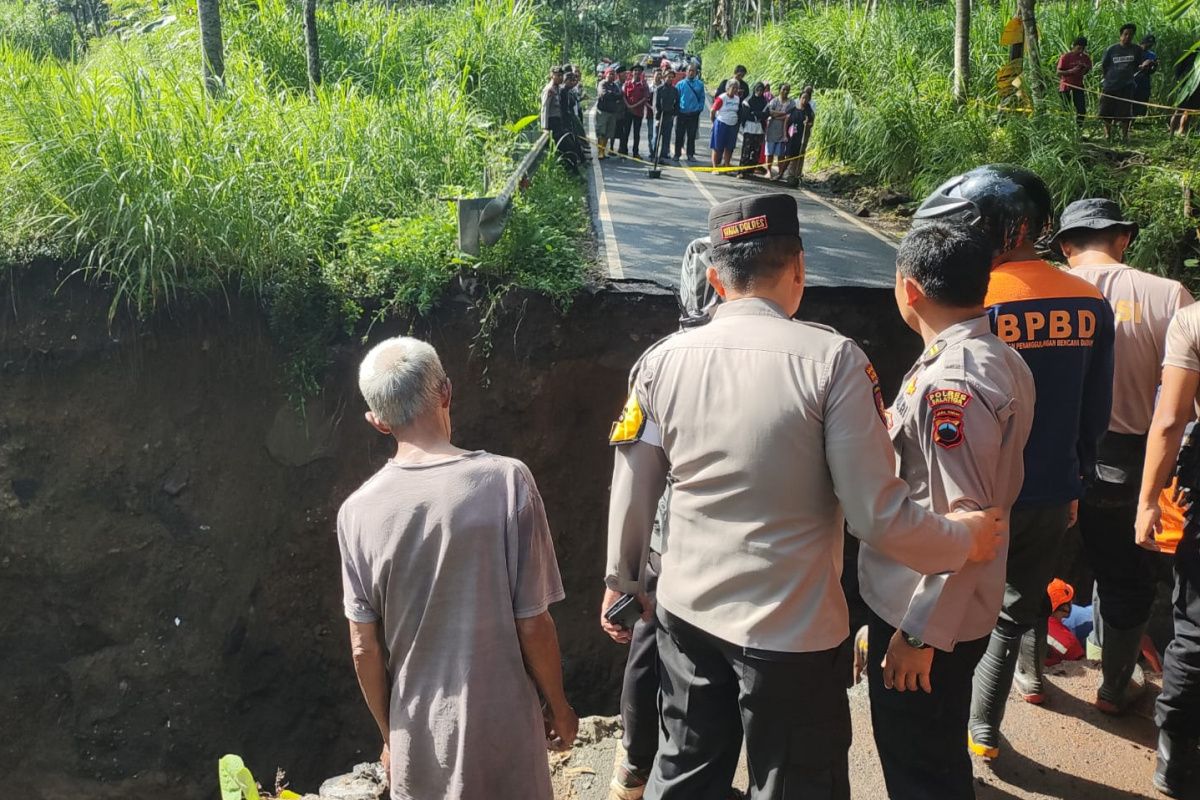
<point x="1014" y="32"/>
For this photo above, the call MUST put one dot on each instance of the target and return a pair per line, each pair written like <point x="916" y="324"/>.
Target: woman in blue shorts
<point x="726" y="112"/>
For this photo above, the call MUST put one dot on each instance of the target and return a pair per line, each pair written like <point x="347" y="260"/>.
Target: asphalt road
<point x="644" y="224"/>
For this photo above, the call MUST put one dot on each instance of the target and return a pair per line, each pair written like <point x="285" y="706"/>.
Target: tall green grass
<point x="37" y="27"/>
<point x="122" y="164"/>
<point x="885" y="109"/>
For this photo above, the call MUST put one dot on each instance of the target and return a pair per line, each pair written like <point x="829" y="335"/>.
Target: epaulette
<point x="638" y="364"/>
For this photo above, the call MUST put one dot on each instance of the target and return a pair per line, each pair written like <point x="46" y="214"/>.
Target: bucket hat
<point x="1093" y="213"/>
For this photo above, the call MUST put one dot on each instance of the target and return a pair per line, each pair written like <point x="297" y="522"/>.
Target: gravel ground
<point x="1064" y="750"/>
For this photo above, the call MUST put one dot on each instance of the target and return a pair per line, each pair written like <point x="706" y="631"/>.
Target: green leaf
<point x="236" y="781"/>
<point x="1191" y="263"/>
<point x="522" y="123"/>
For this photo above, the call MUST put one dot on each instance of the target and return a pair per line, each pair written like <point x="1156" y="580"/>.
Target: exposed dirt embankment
<point x="167" y="560"/>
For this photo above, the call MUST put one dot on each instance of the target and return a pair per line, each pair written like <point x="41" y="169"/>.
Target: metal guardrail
<point x="481" y="219"/>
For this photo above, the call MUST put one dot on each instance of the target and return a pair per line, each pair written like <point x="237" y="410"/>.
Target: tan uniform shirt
<point x="771" y="430"/>
<point x="1143" y="305"/>
<point x="959" y="426"/>
<point x="1183" y="340"/>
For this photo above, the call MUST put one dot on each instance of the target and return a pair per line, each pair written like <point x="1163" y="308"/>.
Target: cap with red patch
<point x="752" y="217"/>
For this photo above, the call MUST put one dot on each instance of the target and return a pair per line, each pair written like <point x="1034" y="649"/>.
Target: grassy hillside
<point x="113" y="157"/>
<point x="885" y="108"/>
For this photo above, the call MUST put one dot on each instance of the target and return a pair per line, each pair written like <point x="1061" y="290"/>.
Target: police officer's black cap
<point x="753" y="216"/>
<point x="1094" y="213"/>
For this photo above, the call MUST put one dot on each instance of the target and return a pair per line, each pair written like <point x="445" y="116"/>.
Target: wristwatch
<point x="913" y="641"/>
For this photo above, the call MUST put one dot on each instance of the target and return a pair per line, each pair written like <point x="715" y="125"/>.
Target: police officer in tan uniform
<point x="959" y="426"/>
<point x="770" y="432"/>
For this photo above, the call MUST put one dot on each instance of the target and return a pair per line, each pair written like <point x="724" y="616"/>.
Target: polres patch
<point x="629" y="426"/>
<point x="947" y="397"/>
<point x="880" y="406"/>
<point x="744" y="227"/>
<point x="948" y="427"/>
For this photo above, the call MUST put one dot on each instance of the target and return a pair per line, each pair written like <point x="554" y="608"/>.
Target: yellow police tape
<point x="1099" y="93"/>
<point x="1060" y="112"/>
<point x="664" y="165"/>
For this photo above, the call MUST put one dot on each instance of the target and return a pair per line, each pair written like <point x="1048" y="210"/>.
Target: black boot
<point x="1117" y="662"/>
<point x="993" y="679"/>
<point x="1176" y="757"/>
<point x="1031" y="661"/>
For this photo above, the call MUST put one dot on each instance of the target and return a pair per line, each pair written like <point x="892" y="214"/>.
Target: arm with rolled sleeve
<point x="965" y="475"/>
<point x="862" y="465"/>
<point x="1097" y="393"/>
<point x="639" y="476"/>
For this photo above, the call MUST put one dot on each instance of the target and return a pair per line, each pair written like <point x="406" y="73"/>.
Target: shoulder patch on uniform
<point x="948" y="429"/>
<point x="817" y="325"/>
<point x="629" y="426"/>
<point x="880" y="406"/>
<point x="947" y="397"/>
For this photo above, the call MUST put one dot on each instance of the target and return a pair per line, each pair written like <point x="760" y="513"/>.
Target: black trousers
<point x="751" y="150"/>
<point x="685" y="132"/>
<point x="622" y="128"/>
<point x="1125" y="573"/>
<point x="634" y="126"/>
<point x="1035" y="537"/>
<point x="664" y="137"/>
<point x="639" y="691"/>
<point x="1178" y="707"/>
<point x="792" y="707"/>
<point x="920" y="736"/>
<point x="1077" y="100"/>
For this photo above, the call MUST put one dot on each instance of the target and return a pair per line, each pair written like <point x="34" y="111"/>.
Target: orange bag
<point x="1172" y="521"/>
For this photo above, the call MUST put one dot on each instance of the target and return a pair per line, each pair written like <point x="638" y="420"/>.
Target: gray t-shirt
<point x="777" y="128"/>
<point x="1120" y="65"/>
<point x="448" y="554"/>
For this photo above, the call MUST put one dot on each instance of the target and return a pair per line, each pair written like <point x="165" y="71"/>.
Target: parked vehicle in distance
<point x="679" y="37"/>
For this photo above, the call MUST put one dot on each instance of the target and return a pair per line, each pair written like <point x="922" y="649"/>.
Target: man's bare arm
<point x="1175" y="409"/>
<point x="370" y="665"/>
<point x="539" y="648"/>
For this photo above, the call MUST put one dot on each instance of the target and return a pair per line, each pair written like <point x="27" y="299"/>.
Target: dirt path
<point x="1063" y="751"/>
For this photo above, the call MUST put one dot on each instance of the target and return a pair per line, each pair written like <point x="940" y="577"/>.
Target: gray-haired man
<point x="448" y="571"/>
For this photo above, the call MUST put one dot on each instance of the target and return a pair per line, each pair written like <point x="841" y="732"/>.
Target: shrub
<point x="884" y="105"/>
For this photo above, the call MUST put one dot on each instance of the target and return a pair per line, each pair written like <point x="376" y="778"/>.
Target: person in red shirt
<point x="1072" y="66"/>
<point x="637" y="101"/>
<point x="1062" y="644"/>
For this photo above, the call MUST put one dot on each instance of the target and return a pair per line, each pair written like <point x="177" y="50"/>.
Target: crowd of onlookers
<point x="664" y="105"/>
<point x="1127" y="71"/>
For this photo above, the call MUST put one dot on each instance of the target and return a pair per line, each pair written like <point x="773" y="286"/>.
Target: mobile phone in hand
<point x="625" y="612"/>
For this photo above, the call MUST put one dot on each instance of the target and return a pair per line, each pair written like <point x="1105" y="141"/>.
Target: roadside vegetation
<point x="885" y="106"/>
<point x="113" y="157"/>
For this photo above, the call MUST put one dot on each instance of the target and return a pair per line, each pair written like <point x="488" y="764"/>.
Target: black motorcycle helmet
<point x="1010" y="204"/>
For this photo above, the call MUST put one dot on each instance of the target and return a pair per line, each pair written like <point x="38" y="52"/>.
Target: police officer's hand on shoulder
<point x="986" y="529"/>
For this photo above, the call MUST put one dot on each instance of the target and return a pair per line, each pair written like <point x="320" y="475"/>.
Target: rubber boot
<point x="1117" y="662"/>
<point x="1175" y="763"/>
<point x="1031" y="661"/>
<point x="602" y="147"/>
<point x="993" y="679"/>
<point x="1095" y="639"/>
